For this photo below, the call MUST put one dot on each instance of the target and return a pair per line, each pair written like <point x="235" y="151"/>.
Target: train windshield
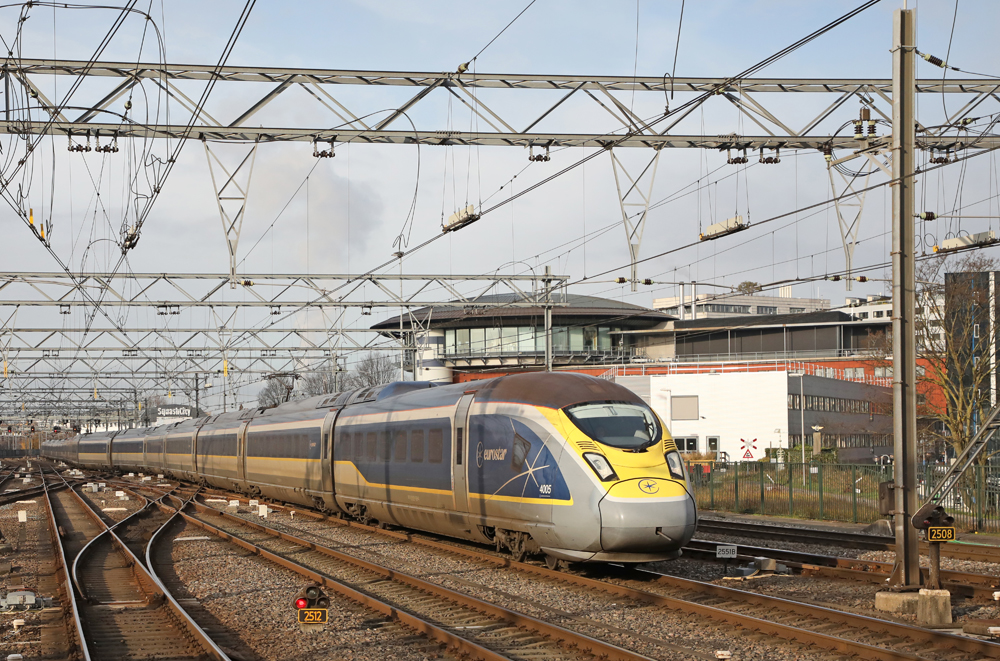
<point x="623" y="425"/>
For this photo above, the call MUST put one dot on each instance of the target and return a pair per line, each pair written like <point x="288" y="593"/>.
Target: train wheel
<point x="518" y="546"/>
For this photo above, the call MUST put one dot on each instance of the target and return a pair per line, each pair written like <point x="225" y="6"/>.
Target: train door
<point x="110" y="441"/>
<point x="195" y="469"/>
<point x="329" y="429"/>
<point x="241" y="452"/>
<point x="460" y="460"/>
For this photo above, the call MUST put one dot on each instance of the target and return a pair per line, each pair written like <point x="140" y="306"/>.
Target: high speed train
<point x="562" y="464"/>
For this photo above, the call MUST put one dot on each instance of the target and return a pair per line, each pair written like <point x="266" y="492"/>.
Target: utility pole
<point x="904" y="358"/>
<point x="547" y="280"/>
<point x="197" y="408"/>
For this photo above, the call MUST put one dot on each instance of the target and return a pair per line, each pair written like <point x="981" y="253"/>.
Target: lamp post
<point x="817" y="446"/>
<point x="802" y="423"/>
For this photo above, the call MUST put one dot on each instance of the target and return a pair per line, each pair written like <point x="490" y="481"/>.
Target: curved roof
<point x="572" y="306"/>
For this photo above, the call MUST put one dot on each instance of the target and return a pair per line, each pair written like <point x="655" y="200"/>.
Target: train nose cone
<point x="634" y="511"/>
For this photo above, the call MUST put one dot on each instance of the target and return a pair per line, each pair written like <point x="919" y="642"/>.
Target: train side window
<point x="359" y="445"/>
<point x="383" y="446"/>
<point x="370" y="446"/>
<point x="435" y="446"/>
<point x="417" y="445"/>
<point x="399" y="446"/>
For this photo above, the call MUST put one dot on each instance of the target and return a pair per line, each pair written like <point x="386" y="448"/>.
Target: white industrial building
<point x="737" y="416"/>
<point x="729" y="304"/>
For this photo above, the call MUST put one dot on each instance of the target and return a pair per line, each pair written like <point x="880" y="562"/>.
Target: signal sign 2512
<point x="312" y="615"/>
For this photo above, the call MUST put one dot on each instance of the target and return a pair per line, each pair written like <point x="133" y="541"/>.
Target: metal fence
<point x="837" y="492"/>
<point x="9" y="454"/>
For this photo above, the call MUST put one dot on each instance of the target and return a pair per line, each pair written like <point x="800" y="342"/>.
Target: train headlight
<point x="600" y="465"/>
<point x="676" y="465"/>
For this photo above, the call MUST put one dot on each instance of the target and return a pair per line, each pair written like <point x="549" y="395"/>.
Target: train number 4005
<point x="941" y="534"/>
<point x="312" y="615"/>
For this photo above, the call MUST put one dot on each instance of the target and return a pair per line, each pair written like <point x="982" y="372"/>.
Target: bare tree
<point x="956" y="347"/>
<point x="372" y="370"/>
<point x="958" y="340"/>
<point x="322" y="382"/>
<point x="276" y="390"/>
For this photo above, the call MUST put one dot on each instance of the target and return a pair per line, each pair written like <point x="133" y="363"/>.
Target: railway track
<point x="964" y="584"/>
<point x="958" y="551"/>
<point x="828" y="631"/>
<point x="118" y="609"/>
<point x="480" y="628"/>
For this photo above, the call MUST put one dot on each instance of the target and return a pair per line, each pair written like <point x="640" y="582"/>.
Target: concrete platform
<point x="897" y="602"/>
<point x="934" y="608"/>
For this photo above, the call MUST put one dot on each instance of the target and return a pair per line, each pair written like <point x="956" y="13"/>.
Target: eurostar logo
<point x="479" y="455"/>
<point x="649" y="486"/>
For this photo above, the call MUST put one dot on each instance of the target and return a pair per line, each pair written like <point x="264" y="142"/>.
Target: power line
<point x="499" y="33"/>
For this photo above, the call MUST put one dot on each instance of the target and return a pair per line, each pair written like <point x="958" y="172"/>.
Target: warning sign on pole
<point x="748" y="455"/>
<point x="748" y="446"/>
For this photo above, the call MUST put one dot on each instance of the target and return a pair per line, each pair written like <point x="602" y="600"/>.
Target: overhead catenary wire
<point x="97" y="303"/>
<point x="483" y="49"/>
<point x="646" y="125"/>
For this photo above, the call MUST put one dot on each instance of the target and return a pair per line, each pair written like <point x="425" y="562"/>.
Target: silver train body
<point x="501" y="460"/>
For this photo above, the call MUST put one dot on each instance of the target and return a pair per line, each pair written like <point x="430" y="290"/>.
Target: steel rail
<point x="965" y="584"/>
<point x="67" y="578"/>
<point x="554" y="632"/>
<point x="419" y="625"/>
<point x="6" y="498"/>
<point x="854" y="621"/>
<point x="975" y="552"/>
<point x="143" y="579"/>
<point x="6" y="478"/>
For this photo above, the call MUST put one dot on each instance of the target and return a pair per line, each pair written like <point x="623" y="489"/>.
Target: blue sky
<point x="358" y="201"/>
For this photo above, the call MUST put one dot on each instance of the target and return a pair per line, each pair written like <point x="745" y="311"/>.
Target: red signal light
<point x="301" y="603"/>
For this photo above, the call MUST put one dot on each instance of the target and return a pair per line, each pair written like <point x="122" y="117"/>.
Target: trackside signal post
<point x="311" y="609"/>
<point x="907" y="569"/>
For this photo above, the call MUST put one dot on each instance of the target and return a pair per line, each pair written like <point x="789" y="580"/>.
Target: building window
<point x="477" y="340"/>
<point x="492" y="340"/>
<point x="560" y="339"/>
<point x="725" y="309"/>
<point x="713" y="443"/>
<point x="526" y="339"/>
<point x="767" y="309"/>
<point x="684" y="408"/>
<point x="462" y="341"/>
<point x="883" y="371"/>
<point x="796" y="310"/>
<point x="878" y="314"/>
<point x="508" y="340"/>
<point x="687" y="444"/>
<point x="604" y="339"/>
